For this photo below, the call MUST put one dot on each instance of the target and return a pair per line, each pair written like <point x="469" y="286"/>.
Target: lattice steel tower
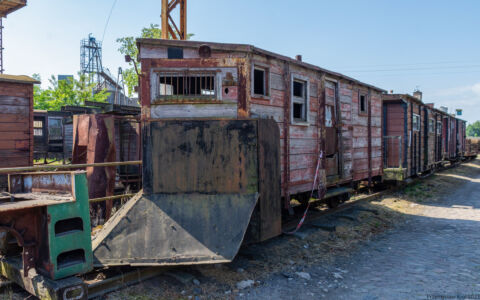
<point x="91" y="59"/>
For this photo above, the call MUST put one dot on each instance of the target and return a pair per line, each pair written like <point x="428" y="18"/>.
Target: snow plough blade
<point x="201" y="185"/>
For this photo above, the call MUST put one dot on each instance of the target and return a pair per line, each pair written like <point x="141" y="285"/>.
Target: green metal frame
<point x="75" y="240"/>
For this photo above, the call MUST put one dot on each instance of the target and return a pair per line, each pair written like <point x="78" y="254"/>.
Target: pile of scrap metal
<point x="53" y="130"/>
<point x="102" y="138"/>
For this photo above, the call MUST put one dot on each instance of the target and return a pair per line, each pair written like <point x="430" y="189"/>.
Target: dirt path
<point x="434" y="254"/>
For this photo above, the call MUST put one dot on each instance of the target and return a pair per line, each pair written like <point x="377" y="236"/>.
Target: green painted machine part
<point x="69" y="236"/>
<point x="49" y="218"/>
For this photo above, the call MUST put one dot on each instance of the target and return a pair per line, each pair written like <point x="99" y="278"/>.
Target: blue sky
<point x="395" y="45"/>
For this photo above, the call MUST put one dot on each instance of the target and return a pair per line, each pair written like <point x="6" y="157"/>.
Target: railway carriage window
<point x="299" y="101"/>
<point x="416" y="122"/>
<point x="38" y="128"/>
<point x="260" y="81"/>
<point x="55" y="130"/>
<point x="328" y="116"/>
<point x="431" y="126"/>
<point x="175" y="53"/>
<point x="186" y="85"/>
<point x="363" y="104"/>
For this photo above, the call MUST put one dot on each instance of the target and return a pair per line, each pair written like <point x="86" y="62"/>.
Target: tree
<point x="474" y="129"/>
<point x="128" y="46"/>
<point x="66" y="92"/>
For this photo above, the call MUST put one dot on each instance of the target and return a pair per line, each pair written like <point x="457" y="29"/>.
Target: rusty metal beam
<point x="68" y="167"/>
<point x="100" y="288"/>
<point x="169" y="27"/>
<point x="172" y="5"/>
<point x="40" y="286"/>
<point x="165" y="19"/>
<point x="111" y="198"/>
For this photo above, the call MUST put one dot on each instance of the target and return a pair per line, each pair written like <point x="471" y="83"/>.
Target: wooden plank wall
<point x="359" y="125"/>
<point x="303" y="144"/>
<point x="16" y="124"/>
<point x="304" y="139"/>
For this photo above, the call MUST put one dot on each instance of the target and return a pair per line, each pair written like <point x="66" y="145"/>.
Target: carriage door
<point x="331" y="143"/>
<point x="416" y="142"/>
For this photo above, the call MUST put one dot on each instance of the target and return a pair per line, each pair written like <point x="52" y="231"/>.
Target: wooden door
<point x="331" y="131"/>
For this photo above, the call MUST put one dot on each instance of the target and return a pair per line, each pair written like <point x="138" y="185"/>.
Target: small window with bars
<point x="38" y="128"/>
<point x="186" y="85"/>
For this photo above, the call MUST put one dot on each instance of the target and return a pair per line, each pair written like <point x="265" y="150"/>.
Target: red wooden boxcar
<point x="320" y="114"/>
<point x="16" y="121"/>
<point x="450" y="136"/>
<point x="406" y="136"/>
<point x="439" y="144"/>
<point x="432" y="136"/>
<point x="461" y="138"/>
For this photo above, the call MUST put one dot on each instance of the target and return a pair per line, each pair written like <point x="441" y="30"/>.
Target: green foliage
<point x="66" y="92"/>
<point x="474" y="129"/>
<point x="128" y="46"/>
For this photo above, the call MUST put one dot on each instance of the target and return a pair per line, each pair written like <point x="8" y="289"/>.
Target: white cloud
<point x="462" y="97"/>
<point x="476" y="89"/>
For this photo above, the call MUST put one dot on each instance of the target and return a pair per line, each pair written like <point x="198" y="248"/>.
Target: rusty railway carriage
<point x="454" y="135"/>
<point x="16" y="122"/>
<point x="404" y="136"/>
<point x="418" y="137"/>
<point x="462" y="137"/>
<point x="320" y="114"/>
<point x="432" y="138"/>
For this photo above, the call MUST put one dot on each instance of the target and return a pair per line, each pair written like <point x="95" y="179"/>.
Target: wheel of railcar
<point x="345" y="197"/>
<point x="303" y="198"/>
<point x="333" y="202"/>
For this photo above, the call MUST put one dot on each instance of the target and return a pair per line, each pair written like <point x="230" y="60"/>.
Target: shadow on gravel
<point x="441" y="188"/>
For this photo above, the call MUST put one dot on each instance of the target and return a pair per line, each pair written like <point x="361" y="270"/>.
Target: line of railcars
<point x="229" y="135"/>
<point x="334" y="131"/>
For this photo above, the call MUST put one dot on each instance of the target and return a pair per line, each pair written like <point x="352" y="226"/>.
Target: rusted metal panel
<point x="94" y="142"/>
<point x="206" y="155"/>
<point x="174" y="229"/>
<point x="195" y="173"/>
<point x="41" y="182"/>
<point x="268" y="213"/>
<point x="194" y="111"/>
